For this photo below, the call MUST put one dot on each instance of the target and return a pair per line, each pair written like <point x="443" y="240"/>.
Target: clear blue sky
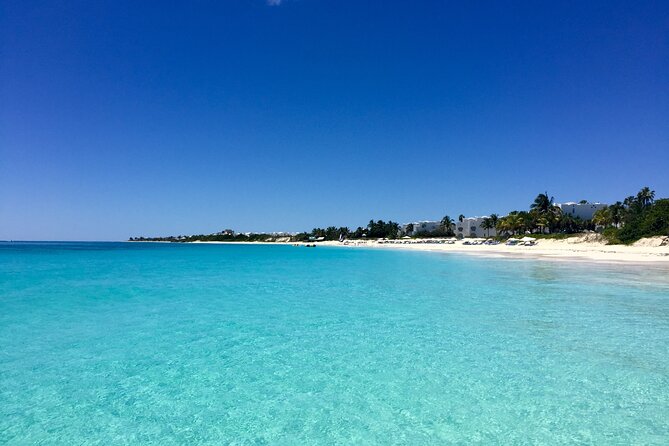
<point x="122" y="118"/>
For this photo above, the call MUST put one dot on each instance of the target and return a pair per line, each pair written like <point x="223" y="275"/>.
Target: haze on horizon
<point x="120" y="119"/>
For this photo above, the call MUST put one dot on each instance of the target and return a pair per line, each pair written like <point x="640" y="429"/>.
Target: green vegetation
<point x="625" y="221"/>
<point x="446" y="226"/>
<point x="622" y="222"/>
<point x="634" y="218"/>
<point x="373" y="230"/>
<point x="544" y="217"/>
<point x="218" y="237"/>
<point x="490" y="223"/>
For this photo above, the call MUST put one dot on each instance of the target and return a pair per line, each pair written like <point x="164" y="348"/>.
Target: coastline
<point x="555" y="250"/>
<point x="574" y="248"/>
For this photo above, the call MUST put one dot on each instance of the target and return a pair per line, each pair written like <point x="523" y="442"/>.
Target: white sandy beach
<point x="573" y="248"/>
<point x="584" y="248"/>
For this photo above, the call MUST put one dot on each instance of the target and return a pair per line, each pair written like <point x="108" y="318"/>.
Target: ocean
<point x="173" y="344"/>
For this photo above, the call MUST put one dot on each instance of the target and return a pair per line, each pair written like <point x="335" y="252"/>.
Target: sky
<point x="122" y="118"/>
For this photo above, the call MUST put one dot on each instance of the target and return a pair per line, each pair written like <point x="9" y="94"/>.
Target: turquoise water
<point x="119" y="343"/>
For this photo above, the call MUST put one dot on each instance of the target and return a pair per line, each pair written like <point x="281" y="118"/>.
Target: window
<point x="473" y="229"/>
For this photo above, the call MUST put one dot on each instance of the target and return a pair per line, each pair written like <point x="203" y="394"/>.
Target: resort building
<point x="417" y="227"/>
<point x="584" y="211"/>
<point x="468" y="227"/>
<point x="471" y="227"/>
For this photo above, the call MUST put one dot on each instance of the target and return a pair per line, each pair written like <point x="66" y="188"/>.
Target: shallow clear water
<point x="217" y="344"/>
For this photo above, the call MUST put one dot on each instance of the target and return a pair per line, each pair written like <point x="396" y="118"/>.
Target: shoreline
<point x="570" y="249"/>
<point x="594" y="256"/>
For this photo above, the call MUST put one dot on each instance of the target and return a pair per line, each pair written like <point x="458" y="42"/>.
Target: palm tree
<point x="512" y="223"/>
<point x="487" y="225"/>
<point x="446" y="225"/>
<point x="569" y="224"/>
<point x="502" y="225"/>
<point x="460" y="218"/>
<point x="602" y="217"/>
<point x="526" y="221"/>
<point x="645" y="197"/>
<point x="542" y="222"/>
<point x="494" y="219"/>
<point x="517" y="223"/>
<point x="554" y="217"/>
<point x="617" y="212"/>
<point x="542" y="203"/>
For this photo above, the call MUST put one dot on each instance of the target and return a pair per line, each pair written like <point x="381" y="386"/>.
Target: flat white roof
<point x="573" y="203"/>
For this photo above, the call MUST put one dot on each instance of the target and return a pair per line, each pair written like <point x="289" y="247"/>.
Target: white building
<point x="471" y="227"/>
<point x="468" y="227"/>
<point x="584" y="211"/>
<point x="420" y="226"/>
